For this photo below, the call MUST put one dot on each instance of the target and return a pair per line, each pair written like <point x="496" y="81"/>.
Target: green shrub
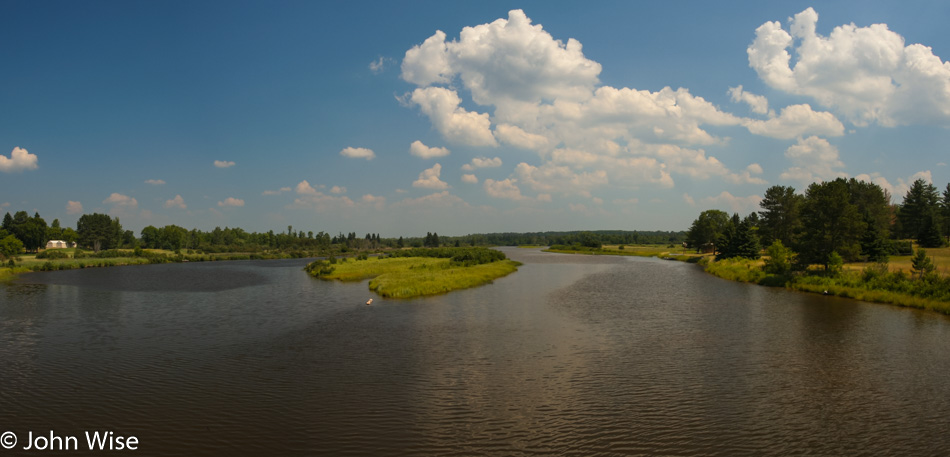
<point x="52" y="254"/>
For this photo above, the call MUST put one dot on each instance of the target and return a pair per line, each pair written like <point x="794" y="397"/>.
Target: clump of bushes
<point x="320" y="267"/>
<point x="52" y="254"/>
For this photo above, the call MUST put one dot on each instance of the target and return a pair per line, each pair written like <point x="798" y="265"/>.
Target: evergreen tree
<point x="945" y="212"/>
<point x="873" y="243"/>
<point x="729" y="240"/>
<point x="921" y="265"/>
<point x="98" y="231"/>
<point x="929" y="236"/>
<point x="747" y="245"/>
<point x="780" y="218"/>
<point x="920" y="204"/>
<point x="707" y="229"/>
<point x="831" y="223"/>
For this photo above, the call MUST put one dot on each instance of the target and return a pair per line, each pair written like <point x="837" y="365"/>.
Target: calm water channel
<point x="571" y="355"/>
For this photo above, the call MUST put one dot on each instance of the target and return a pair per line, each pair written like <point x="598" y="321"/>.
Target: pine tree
<point x="945" y="212"/>
<point x="873" y="243"/>
<point x="929" y="236"/>
<point x="920" y="203"/>
<point x="780" y="218"/>
<point x="921" y="265"/>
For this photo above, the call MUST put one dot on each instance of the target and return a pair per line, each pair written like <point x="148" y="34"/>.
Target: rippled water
<point x="571" y="355"/>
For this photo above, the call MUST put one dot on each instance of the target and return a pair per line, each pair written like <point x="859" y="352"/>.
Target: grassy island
<point x="419" y="272"/>
<point x="661" y="251"/>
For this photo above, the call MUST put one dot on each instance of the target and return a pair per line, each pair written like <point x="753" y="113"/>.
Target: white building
<point x="56" y="244"/>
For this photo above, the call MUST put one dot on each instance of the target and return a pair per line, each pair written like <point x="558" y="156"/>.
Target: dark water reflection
<point x="569" y="356"/>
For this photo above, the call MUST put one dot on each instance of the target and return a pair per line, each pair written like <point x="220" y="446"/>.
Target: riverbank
<point x="872" y="284"/>
<point x="72" y="259"/>
<point x="409" y="277"/>
<point x="865" y="282"/>
<point x="659" y="251"/>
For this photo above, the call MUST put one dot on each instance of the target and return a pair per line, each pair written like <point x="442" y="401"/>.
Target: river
<point x="571" y="355"/>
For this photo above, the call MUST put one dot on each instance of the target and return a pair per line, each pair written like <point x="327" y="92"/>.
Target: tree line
<point x="20" y="232"/>
<point x="842" y="219"/>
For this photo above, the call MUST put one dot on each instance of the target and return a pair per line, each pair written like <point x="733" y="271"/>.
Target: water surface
<point x="571" y="355"/>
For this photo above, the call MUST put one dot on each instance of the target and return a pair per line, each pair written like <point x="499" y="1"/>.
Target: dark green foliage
<point x="920" y="214"/>
<point x="466" y="256"/>
<point x="945" y="212"/>
<point x="98" y="231"/>
<point x="874" y="244"/>
<point x="320" y="267"/>
<point x="834" y="264"/>
<point x="929" y="236"/>
<point x="52" y="254"/>
<point x="31" y="231"/>
<point x="432" y="240"/>
<point x="707" y="229"/>
<point x="780" y="218"/>
<point x="10" y="247"/>
<point x="831" y="222"/>
<point x="780" y="258"/>
<point x="922" y="265"/>
<point x="739" y="240"/>
<point x="900" y="247"/>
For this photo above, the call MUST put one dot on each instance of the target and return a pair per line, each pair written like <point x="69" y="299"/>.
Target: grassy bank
<point x="660" y="251"/>
<point x="72" y="259"/>
<point x="871" y="284"/>
<point x="407" y="277"/>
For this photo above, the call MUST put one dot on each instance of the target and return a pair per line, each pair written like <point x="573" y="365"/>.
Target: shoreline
<point x="413" y="277"/>
<point x="752" y="274"/>
<point x="120" y="258"/>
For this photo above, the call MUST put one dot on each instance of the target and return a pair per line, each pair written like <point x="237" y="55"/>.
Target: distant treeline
<point x="97" y="232"/>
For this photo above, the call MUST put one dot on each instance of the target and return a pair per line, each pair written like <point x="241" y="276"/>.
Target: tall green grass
<point x="662" y="252"/>
<point x="407" y="277"/>
<point x="929" y="293"/>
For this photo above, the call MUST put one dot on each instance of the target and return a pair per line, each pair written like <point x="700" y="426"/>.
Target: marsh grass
<point x="896" y="288"/>
<point x="660" y="251"/>
<point x="65" y="259"/>
<point x="407" y="277"/>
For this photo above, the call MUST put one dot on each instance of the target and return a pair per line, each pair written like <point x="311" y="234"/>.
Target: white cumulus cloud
<point x="543" y="94"/>
<point x="176" y="202"/>
<point x="741" y="205"/>
<point x="20" y="159"/>
<point x="73" y="207"/>
<point x="429" y="178"/>
<point x="418" y="149"/>
<point x="757" y="103"/>
<point x="358" y="153"/>
<point x="338" y="190"/>
<point x="503" y="189"/>
<point x="223" y="163"/>
<point x="231" y="202"/>
<point x="795" y="121"/>
<point x="814" y="159"/>
<point x="376" y="201"/>
<point x="469" y="178"/>
<point x="482" y="162"/>
<point x="155" y="182"/>
<point x="866" y="74"/>
<point x="118" y="200"/>
<point x="456" y="124"/>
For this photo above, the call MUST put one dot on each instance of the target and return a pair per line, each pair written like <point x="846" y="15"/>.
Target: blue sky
<point x="404" y="118"/>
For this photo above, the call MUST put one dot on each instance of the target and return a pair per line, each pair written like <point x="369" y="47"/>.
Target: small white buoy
<point x="369" y="302"/>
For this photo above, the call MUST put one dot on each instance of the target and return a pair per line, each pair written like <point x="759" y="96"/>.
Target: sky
<point x="401" y="118"/>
